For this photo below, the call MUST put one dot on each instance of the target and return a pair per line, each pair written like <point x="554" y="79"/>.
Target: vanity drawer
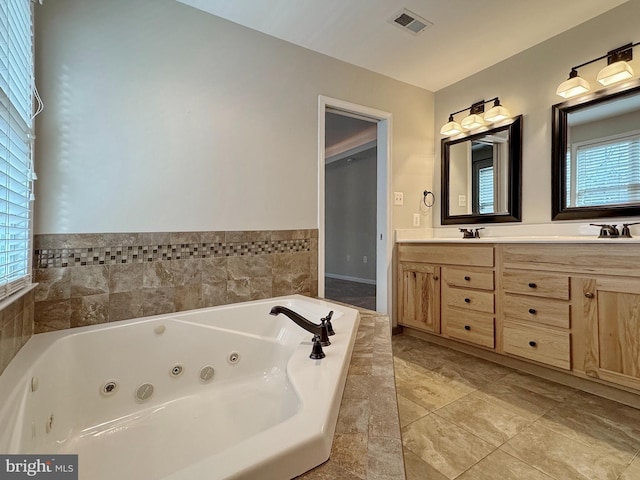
<point x="448" y="254"/>
<point x="540" y="344"/>
<point x="536" y="284"/>
<point x="471" y="327"/>
<point x="470" y="300"/>
<point x="464" y="277"/>
<point x="537" y="310"/>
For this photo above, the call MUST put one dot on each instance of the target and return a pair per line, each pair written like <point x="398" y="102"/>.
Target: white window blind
<point x="485" y="190"/>
<point x="16" y="172"/>
<point x="606" y="172"/>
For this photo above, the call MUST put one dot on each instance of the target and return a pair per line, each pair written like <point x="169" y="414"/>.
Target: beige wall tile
<point x="89" y="280"/>
<point x="53" y="283"/>
<point x="52" y="315"/>
<point x="126" y="305"/>
<point x="89" y="310"/>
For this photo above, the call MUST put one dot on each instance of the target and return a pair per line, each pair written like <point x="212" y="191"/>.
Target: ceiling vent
<point x="409" y="21"/>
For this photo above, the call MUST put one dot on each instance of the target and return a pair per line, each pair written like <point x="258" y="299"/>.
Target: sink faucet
<point x="320" y="332"/>
<point x="470" y="233"/>
<point x="626" y="233"/>
<point x="606" y="230"/>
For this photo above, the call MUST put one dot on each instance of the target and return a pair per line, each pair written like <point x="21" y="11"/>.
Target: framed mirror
<point x="596" y="155"/>
<point x="481" y="176"/>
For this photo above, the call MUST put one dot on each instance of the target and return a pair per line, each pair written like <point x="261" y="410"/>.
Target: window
<point x="605" y="172"/>
<point x="483" y="175"/>
<point x="485" y="189"/>
<point x="16" y="121"/>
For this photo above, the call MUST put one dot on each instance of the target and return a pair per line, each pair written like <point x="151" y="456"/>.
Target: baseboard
<point x="350" y="279"/>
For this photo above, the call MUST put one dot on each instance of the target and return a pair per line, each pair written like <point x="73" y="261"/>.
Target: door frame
<point x="384" y="234"/>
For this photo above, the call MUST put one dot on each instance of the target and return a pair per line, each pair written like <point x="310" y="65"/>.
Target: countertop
<point x="367" y="442"/>
<point x="521" y="233"/>
<point x="523" y="239"/>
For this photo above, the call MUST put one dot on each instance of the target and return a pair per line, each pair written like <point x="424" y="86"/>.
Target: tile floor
<point x="353" y="293"/>
<point x="466" y="418"/>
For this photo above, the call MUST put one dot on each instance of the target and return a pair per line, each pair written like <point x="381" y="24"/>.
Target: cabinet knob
<point x="467" y="300"/>
<point x="467" y="278"/>
<point x="532" y="343"/>
<point x="467" y="327"/>
<point x="435" y="277"/>
<point x="532" y="285"/>
<point x="589" y="295"/>
<point x="532" y="311"/>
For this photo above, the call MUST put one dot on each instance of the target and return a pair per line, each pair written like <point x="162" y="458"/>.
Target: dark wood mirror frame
<point x="559" y="113"/>
<point x="514" y="197"/>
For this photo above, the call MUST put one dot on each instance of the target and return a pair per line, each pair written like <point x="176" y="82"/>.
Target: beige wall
<point x="159" y="117"/>
<point x="526" y="84"/>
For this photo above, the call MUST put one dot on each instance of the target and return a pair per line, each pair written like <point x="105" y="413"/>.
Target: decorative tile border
<point x="74" y="257"/>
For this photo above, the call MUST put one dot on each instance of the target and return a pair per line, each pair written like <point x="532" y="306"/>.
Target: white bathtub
<point x="269" y="415"/>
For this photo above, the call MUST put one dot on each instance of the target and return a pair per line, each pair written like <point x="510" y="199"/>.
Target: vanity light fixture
<point x="475" y="119"/>
<point x="617" y="69"/>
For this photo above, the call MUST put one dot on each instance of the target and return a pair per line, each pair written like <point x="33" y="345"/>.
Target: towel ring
<point x="428" y="198"/>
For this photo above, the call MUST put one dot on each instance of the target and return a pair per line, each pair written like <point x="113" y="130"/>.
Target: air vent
<point x="409" y="21"/>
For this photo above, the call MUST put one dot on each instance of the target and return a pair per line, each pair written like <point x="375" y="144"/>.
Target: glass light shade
<point x="616" y="72"/>
<point x="451" y="128"/>
<point x="496" y="114"/>
<point x="472" y="121"/>
<point x="572" y="87"/>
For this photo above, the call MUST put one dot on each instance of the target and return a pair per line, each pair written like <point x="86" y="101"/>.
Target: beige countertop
<point x="367" y="443"/>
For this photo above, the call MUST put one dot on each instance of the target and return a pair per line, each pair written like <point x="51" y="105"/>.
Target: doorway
<point x="354" y="264"/>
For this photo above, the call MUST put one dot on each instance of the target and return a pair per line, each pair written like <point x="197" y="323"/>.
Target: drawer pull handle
<point x="467" y="327"/>
<point x="532" y="311"/>
<point x="532" y="343"/>
<point x="467" y="278"/>
<point x="589" y="295"/>
<point x="467" y="300"/>
<point x="532" y="285"/>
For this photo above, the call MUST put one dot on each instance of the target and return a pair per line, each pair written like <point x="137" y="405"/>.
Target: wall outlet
<point x="462" y="200"/>
<point x="398" y="198"/>
<point x="348" y="258"/>
<point x="364" y="259"/>
<point x="416" y="219"/>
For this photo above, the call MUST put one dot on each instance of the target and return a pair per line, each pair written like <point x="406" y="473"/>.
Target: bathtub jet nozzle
<point x="321" y="331"/>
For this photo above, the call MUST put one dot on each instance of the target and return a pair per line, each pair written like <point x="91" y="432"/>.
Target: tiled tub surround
<point x="86" y="279"/>
<point x="367" y="443"/>
<point x="16" y="326"/>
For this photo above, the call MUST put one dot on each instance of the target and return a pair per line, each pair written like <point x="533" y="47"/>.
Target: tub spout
<point x="321" y="330"/>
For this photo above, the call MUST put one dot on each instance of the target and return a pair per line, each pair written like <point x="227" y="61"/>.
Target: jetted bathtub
<point x="222" y="392"/>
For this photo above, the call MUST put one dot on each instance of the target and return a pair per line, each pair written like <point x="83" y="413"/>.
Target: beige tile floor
<point x="468" y="419"/>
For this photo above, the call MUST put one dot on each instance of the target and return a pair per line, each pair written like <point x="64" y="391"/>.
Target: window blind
<point x="16" y="173"/>
<point x="485" y="190"/>
<point x="608" y="172"/>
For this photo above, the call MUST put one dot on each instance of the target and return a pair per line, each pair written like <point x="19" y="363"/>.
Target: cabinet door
<point x="611" y="315"/>
<point x="419" y="296"/>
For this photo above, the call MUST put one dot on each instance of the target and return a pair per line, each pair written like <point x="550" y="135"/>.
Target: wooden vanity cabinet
<point x="468" y="305"/>
<point x="572" y="307"/>
<point x="610" y="308"/>
<point x="536" y="316"/>
<point x="419" y="288"/>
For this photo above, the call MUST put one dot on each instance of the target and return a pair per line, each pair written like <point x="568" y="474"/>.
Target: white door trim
<point x="384" y="234"/>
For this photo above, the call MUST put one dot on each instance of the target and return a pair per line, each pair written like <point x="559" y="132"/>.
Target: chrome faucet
<point x="320" y="332"/>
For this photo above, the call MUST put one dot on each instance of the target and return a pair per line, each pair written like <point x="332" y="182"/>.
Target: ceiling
<point x="466" y="36"/>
